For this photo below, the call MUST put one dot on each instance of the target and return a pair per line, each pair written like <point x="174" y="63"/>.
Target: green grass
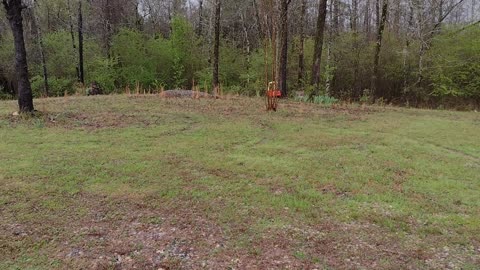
<point x="326" y="188"/>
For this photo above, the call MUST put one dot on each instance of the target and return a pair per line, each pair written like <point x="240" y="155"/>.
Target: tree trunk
<point x="81" y="74"/>
<point x="107" y="21"/>
<point x="331" y="32"/>
<point x="366" y="21"/>
<point x="354" y="18"/>
<point x="14" y="16"/>
<point x="258" y="21"/>
<point x="356" y="45"/>
<point x="379" y="47"/>
<point x="301" y="53"/>
<point x="317" y="53"/>
<point x="39" y="37"/>
<point x="440" y="15"/>
<point x="336" y="15"/>
<point x="72" y="36"/>
<point x="405" y="53"/>
<point x="284" y="47"/>
<point x="248" y="46"/>
<point x="200" y="18"/>
<point x="216" y="47"/>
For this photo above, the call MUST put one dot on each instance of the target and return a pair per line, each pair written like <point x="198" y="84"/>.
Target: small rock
<point x="75" y="253"/>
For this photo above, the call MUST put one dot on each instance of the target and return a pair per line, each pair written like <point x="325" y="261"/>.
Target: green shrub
<point x="453" y="64"/>
<point x="57" y="86"/>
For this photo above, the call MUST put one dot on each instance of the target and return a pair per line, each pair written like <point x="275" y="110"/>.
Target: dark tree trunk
<point x="354" y="18"/>
<point x="378" y="48"/>
<point x="336" y="15"/>
<point x="284" y="47"/>
<point x="356" y="45"/>
<point x="200" y="18"/>
<point x="216" y="47"/>
<point x="366" y="22"/>
<point x="14" y="16"/>
<point x="107" y="14"/>
<point x="301" y="53"/>
<point x="317" y="53"/>
<point x="81" y="74"/>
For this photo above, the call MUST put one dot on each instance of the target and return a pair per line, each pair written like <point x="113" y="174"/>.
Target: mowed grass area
<point x="120" y="182"/>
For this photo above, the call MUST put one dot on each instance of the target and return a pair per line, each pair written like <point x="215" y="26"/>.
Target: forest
<point x="405" y="52"/>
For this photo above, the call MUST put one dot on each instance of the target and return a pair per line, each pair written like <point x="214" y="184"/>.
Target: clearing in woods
<point x="148" y="183"/>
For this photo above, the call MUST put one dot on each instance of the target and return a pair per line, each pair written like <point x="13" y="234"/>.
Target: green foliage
<point x="60" y="55"/>
<point x="150" y="61"/>
<point x="102" y="71"/>
<point x="57" y="86"/>
<point x="451" y="63"/>
<point x="454" y="64"/>
<point x="322" y="100"/>
<point x="134" y="64"/>
<point x="7" y="56"/>
<point x="185" y="48"/>
<point x="233" y="70"/>
<point x="161" y="54"/>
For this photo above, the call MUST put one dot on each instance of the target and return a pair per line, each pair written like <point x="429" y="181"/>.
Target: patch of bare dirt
<point x="144" y="233"/>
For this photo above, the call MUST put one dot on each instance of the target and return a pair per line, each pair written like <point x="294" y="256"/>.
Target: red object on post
<point x="272" y="96"/>
<point x="274" y="93"/>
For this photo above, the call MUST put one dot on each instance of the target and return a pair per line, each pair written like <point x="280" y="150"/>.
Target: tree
<point x="284" y="46"/>
<point x="200" y="18"/>
<point x="301" y="53"/>
<point x="14" y="15"/>
<point x="378" y="47"/>
<point x="81" y="72"/>
<point x="216" y="47"/>
<point x="317" y="53"/>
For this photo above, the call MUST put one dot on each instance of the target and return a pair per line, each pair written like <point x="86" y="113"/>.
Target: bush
<point x="454" y="64"/>
<point x="57" y="86"/>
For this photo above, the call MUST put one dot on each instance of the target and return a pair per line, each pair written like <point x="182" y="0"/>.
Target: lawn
<point x="118" y="182"/>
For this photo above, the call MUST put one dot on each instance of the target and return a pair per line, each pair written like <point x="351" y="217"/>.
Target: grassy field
<point x="121" y="182"/>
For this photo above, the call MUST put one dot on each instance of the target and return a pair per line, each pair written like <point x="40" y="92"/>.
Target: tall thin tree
<point x="81" y="72"/>
<point x="283" y="47"/>
<point x="14" y="15"/>
<point x="317" y="52"/>
<point x="200" y="18"/>
<point x="378" y="47"/>
<point x="216" y="47"/>
<point x="301" y="45"/>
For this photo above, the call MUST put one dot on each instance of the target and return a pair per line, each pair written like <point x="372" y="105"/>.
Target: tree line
<point x="408" y="52"/>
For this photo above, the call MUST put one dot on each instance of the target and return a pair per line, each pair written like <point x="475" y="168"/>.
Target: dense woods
<point x="405" y="52"/>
